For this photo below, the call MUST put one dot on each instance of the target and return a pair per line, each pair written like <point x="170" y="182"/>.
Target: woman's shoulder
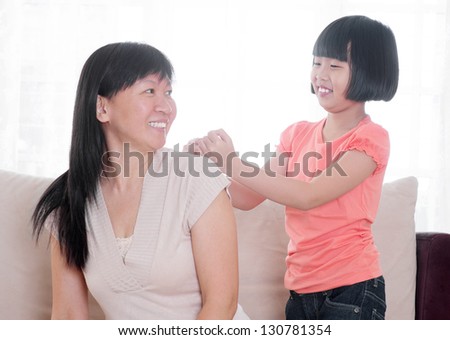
<point x="181" y="164"/>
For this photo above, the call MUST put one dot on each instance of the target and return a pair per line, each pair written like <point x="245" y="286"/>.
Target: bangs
<point x="143" y="60"/>
<point x="333" y="43"/>
<point x="370" y="49"/>
<point x="131" y="62"/>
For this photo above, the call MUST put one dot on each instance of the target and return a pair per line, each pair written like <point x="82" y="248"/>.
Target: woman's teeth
<point x="160" y="125"/>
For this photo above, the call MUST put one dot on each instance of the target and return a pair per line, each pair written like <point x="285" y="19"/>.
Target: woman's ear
<point x="102" y="114"/>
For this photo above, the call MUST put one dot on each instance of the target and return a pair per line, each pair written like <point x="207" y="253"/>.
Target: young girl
<point x="329" y="175"/>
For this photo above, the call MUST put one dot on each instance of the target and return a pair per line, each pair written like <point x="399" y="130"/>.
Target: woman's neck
<point x="123" y="167"/>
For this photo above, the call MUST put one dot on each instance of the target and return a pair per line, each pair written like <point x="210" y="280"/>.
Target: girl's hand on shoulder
<point x="219" y="143"/>
<point x="192" y="147"/>
<point x="216" y="145"/>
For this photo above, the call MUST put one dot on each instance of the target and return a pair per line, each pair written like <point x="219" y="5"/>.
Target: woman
<point x="141" y="227"/>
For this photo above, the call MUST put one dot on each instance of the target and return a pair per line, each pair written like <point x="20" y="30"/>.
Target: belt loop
<point x="375" y="282"/>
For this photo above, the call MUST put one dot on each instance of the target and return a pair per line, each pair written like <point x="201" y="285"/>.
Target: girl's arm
<point x="69" y="290"/>
<point x="242" y="196"/>
<point x="214" y="243"/>
<point x="354" y="167"/>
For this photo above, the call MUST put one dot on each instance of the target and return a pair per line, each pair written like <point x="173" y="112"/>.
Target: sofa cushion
<point x="25" y="283"/>
<point x="25" y="268"/>
<point x="263" y="244"/>
<point x="395" y="236"/>
<point x="262" y="250"/>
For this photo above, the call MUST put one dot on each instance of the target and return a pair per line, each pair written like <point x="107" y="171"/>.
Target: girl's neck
<point x="337" y="124"/>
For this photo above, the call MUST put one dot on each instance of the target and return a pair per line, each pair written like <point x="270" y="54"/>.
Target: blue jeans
<point x="361" y="301"/>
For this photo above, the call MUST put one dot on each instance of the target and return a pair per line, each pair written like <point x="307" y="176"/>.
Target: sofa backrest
<point x="25" y="277"/>
<point x="263" y="246"/>
<point x="24" y="267"/>
<point x="394" y="231"/>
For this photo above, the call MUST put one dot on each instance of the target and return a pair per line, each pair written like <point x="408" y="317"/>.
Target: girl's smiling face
<point x="330" y="79"/>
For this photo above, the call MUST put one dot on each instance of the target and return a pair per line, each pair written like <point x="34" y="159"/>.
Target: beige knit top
<point x="156" y="277"/>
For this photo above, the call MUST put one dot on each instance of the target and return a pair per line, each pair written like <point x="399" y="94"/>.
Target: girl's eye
<point x="150" y="91"/>
<point x="335" y="66"/>
<point x="169" y="93"/>
<point x="315" y="63"/>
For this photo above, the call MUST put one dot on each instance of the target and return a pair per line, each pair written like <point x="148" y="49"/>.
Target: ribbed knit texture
<point x="158" y="279"/>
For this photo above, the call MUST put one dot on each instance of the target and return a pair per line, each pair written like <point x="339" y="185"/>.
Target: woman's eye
<point x="334" y="66"/>
<point x="316" y="63"/>
<point x="150" y="91"/>
<point x="169" y="93"/>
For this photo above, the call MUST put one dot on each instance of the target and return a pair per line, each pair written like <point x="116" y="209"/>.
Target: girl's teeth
<point x="324" y="90"/>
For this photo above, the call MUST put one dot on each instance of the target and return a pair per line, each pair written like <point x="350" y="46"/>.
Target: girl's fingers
<point x="224" y="136"/>
<point x="202" y="145"/>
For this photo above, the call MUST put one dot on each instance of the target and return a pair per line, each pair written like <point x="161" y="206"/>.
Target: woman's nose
<point x="164" y="106"/>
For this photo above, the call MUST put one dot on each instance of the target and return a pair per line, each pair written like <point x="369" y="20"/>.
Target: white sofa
<point x="25" y="278"/>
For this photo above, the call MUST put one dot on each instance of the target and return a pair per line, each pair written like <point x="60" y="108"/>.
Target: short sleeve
<point x="374" y="141"/>
<point x="205" y="183"/>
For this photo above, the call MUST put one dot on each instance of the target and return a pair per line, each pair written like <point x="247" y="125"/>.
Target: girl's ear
<point x="102" y="114"/>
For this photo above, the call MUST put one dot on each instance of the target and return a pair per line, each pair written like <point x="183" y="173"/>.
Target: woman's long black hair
<point x="108" y="70"/>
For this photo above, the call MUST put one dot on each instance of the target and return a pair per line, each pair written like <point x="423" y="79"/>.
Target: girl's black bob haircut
<point x="371" y="51"/>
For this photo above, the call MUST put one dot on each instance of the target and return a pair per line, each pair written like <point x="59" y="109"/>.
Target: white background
<point x="241" y="65"/>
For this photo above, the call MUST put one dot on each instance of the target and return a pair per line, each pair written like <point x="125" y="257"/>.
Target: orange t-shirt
<point x="332" y="245"/>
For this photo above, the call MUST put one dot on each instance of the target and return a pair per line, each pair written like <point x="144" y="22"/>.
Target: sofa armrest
<point x="433" y="276"/>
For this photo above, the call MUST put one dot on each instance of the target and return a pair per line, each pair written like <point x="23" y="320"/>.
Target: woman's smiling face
<point x="140" y="115"/>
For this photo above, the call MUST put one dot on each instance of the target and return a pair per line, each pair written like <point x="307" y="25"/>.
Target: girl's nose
<point x="321" y="75"/>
